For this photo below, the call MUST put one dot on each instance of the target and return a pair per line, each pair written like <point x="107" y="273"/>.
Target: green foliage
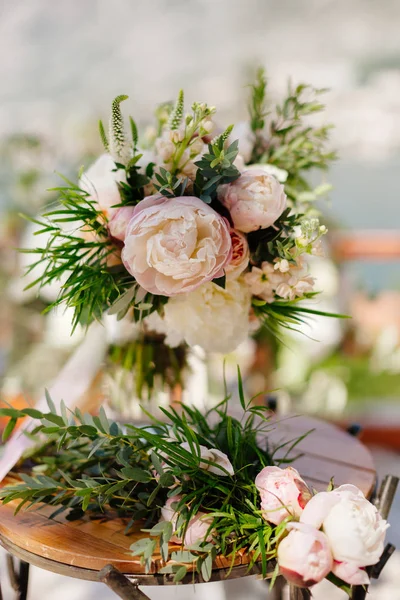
<point x="82" y="462"/>
<point x="288" y="139"/>
<point x="176" y="115"/>
<point x="103" y="136"/>
<point x="216" y="168"/>
<point x="151" y="360"/>
<point x="170" y="185"/>
<point x="117" y="140"/>
<point x="81" y="258"/>
<point x="287" y="314"/>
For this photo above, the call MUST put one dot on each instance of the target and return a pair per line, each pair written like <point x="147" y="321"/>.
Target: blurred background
<point x="61" y="65"/>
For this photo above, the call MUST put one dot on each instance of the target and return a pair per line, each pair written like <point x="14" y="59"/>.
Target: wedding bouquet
<point x="200" y="488"/>
<point x="201" y="234"/>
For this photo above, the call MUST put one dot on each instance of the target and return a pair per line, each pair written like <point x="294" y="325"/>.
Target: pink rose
<point x="255" y="200"/>
<point x="283" y="492"/>
<point x="119" y="221"/>
<point x="304" y="556"/>
<point x="100" y="181"/>
<point x="197" y="528"/>
<point x="174" y="245"/>
<point x="355" y="529"/>
<point x="240" y="254"/>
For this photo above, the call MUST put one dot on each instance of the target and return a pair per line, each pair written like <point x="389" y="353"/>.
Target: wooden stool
<point x="97" y="549"/>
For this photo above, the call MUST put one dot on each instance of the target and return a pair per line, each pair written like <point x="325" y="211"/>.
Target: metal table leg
<point x="19" y="580"/>
<point x="121" y="585"/>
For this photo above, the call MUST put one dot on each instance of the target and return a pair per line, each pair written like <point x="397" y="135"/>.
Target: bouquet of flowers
<point x="199" y="234"/>
<point x="199" y="487"/>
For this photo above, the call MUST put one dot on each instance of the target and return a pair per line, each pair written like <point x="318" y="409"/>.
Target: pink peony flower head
<point x="283" y="492"/>
<point x="255" y="200"/>
<point x="174" y="245"/>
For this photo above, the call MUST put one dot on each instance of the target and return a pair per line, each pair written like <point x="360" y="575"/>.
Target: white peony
<point x="214" y="318"/>
<point x="355" y="529"/>
<point x="101" y="180"/>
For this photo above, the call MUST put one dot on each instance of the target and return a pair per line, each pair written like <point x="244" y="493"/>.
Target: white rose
<point x="174" y="245"/>
<point x="100" y="181"/>
<point x="353" y="525"/>
<point x="211" y="317"/>
<point x="255" y="200"/>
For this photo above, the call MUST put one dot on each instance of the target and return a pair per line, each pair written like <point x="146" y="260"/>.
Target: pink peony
<point x="174" y="245"/>
<point x="304" y="556"/>
<point x="283" y="492"/>
<point x="240" y="254"/>
<point x="255" y="200"/>
<point x="119" y="221"/>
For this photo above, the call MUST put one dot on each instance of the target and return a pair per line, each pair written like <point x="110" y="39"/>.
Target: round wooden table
<point x="86" y="548"/>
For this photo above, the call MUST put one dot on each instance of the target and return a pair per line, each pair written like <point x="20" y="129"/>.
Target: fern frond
<point x="177" y="112"/>
<point x="119" y="149"/>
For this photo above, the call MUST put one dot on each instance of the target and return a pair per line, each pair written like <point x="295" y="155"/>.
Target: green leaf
<point x="220" y="281"/>
<point x="50" y="402"/>
<point x="136" y="474"/>
<point x="104" y="420"/>
<point x="183" y="556"/>
<point x="180" y="574"/>
<point x="32" y="412"/>
<point x="10" y="412"/>
<point x="157" y="463"/>
<point x="206" y="567"/>
<point x="9" y="428"/>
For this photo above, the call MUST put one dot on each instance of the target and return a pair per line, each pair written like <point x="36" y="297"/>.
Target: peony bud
<point x="304" y="556"/>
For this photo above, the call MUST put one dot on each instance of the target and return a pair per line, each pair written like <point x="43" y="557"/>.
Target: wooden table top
<point x="82" y="548"/>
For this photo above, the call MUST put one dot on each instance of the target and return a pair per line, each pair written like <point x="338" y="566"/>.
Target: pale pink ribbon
<point x="70" y="385"/>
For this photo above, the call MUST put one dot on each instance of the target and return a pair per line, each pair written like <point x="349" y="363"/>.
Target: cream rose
<point x="354" y="527"/>
<point x="174" y="245"/>
<point x="100" y="181"/>
<point x="214" y="318"/>
<point x="304" y="556"/>
<point x="255" y="200"/>
<point x="240" y="254"/>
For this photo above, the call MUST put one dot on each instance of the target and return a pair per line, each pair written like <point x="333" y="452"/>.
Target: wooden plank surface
<point x="93" y="543"/>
